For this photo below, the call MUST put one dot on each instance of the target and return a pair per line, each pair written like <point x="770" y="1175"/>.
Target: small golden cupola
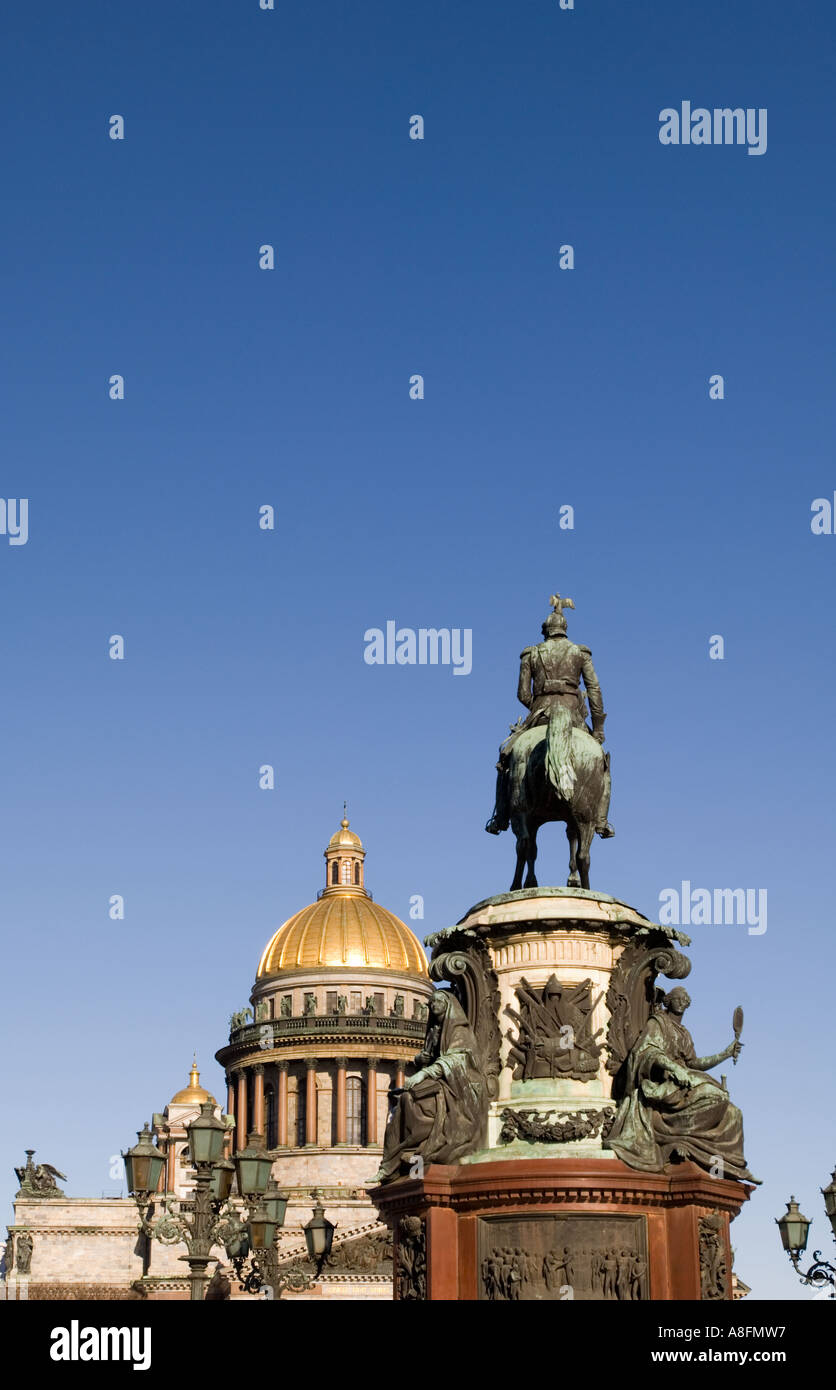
<point x="344" y="857"/>
<point x="194" y="1093"/>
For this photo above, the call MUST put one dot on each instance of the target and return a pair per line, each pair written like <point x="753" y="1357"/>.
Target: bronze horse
<point x="558" y="772"/>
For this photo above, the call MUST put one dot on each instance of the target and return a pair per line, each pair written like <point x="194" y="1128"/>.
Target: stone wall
<point x="92" y="1241"/>
<point x="92" y="1248"/>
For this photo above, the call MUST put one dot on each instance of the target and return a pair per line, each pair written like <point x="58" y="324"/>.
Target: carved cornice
<point x="545" y="1182"/>
<point x="69" y="1232"/>
<point x="325" y="1031"/>
<point x="163" y="1281"/>
<point x="356" y="1059"/>
<point x="560" y="909"/>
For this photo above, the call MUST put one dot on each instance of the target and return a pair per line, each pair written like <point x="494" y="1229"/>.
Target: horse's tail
<point x="559" y="767"/>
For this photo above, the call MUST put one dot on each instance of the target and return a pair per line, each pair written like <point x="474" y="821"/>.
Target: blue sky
<point x="290" y="387"/>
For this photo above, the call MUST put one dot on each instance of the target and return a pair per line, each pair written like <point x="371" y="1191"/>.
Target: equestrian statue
<point x="553" y="767"/>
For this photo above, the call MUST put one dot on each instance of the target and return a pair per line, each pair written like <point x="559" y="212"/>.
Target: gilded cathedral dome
<point x="344" y="927"/>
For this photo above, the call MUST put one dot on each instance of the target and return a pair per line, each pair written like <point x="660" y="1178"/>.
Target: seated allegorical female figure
<point x="440" y="1112"/>
<point x="671" y="1108"/>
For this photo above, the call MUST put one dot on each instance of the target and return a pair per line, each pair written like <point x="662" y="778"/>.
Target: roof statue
<point x="39" y="1180"/>
<point x="553" y="767"/>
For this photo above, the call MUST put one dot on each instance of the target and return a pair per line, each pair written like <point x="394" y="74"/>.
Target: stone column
<point x="371" y="1100"/>
<point x="281" y="1114"/>
<point x="241" y="1111"/>
<point x="258" y="1098"/>
<point x="341" y="1063"/>
<point x="171" y="1164"/>
<point x="310" y="1101"/>
<point x="229" y="1143"/>
<point x="399" y="1075"/>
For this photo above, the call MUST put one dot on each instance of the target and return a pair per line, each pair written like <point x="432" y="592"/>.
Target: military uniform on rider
<point x="550" y="674"/>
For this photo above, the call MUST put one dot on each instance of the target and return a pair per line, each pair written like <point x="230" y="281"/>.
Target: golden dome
<point x="344" y="929"/>
<point x="194" y="1093"/>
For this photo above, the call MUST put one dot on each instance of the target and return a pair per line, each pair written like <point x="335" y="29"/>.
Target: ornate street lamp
<point x="253" y="1166"/>
<point x="262" y="1231"/>
<point x="143" y="1165"/>
<point x="260" y="1241"/>
<point x="276" y="1204"/>
<point x="319" y="1235"/>
<point x="206" y="1136"/>
<point x="794" y="1227"/>
<point x="223" y="1173"/>
<point x="210" y="1220"/>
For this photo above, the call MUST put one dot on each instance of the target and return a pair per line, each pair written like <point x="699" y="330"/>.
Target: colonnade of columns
<point x="245" y="1095"/>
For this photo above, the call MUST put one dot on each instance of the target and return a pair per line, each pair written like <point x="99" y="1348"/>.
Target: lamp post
<point x="264" y="1229"/>
<point x="267" y="1208"/>
<point x="261" y="1244"/>
<point x="319" y="1235"/>
<point x="207" y="1219"/>
<point x="795" y="1228"/>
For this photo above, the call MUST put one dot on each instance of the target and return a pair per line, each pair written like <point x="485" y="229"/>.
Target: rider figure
<point x="550" y="674"/>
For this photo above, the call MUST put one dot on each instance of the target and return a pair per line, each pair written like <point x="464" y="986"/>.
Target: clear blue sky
<point x="290" y="387"/>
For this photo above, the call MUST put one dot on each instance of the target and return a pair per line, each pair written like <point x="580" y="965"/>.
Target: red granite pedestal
<point x="451" y="1227"/>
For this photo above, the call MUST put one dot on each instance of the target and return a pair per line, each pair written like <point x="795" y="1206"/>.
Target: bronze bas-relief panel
<point x="554" y="1031"/>
<point x="557" y="1257"/>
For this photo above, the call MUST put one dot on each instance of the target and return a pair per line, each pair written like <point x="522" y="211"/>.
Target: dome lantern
<point x="344" y="855"/>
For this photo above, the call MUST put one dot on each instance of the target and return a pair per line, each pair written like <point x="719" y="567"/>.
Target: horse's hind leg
<point x="573" y="881"/>
<point x="586" y="833"/>
<point x="530" y="878"/>
<point x="519" y="828"/>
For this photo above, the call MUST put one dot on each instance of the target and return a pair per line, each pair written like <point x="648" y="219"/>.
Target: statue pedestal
<point x="569" y="1040"/>
<point x="567" y="962"/>
<point x="590" y="1229"/>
